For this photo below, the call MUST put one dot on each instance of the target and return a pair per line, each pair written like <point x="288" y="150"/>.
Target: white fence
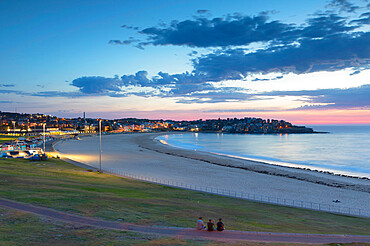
<point x="248" y="196"/>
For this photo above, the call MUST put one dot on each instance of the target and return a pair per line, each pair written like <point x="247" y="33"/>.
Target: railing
<point x="247" y="196"/>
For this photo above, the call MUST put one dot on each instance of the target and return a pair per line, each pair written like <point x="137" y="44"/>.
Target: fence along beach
<point x="139" y="155"/>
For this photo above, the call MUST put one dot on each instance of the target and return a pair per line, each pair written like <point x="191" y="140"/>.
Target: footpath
<point x="227" y="236"/>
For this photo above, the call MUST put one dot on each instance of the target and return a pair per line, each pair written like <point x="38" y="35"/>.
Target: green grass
<point x="4" y="139"/>
<point x="19" y="228"/>
<point x="62" y="186"/>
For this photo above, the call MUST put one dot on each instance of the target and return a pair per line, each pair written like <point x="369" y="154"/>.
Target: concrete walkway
<point x="184" y="232"/>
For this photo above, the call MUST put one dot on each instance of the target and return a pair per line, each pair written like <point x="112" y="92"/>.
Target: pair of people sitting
<point x="210" y="225"/>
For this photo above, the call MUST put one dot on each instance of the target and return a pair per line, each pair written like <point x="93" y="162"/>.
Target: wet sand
<point x="140" y="154"/>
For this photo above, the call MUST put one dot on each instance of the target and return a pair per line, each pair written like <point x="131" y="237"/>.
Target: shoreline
<point x="140" y="155"/>
<point x="302" y="174"/>
<point x="277" y="163"/>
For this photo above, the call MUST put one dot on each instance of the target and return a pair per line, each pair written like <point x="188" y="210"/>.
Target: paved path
<point x="184" y="232"/>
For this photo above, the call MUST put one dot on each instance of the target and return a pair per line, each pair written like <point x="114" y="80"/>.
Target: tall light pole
<point x="43" y="128"/>
<point x="14" y="127"/>
<point x="100" y="146"/>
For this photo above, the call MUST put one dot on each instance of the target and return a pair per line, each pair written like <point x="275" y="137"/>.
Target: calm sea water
<point x="345" y="150"/>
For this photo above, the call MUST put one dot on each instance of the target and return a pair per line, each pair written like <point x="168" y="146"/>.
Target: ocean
<point x="344" y="150"/>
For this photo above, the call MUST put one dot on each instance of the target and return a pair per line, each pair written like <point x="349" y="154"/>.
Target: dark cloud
<point x="96" y="84"/>
<point x="269" y="12"/>
<point x="56" y="94"/>
<point x="44" y="93"/>
<point x="312" y="55"/>
<point x="217" y="96"/>
<point x="130" y="27"/>
<point x="217" y="32"/>
<point x="324" y="25"/>
<point x="246" y="110"/>
<point x="257" y="79"/>
<point x="343" y="5"/>
<point x="355" y="72"/>
<point x="243" y="46"/>
<point x="264" y="79"/>
<point x="193" y="53"/>
<point x="202" y="11"/>
<point x="242" y="30"/>
<point x="364" y="19"/>
<point x="355" y="97"/>
<point x="325" y="42"/>
<point x="7" y="85"/>
<point x="8" y="91"/>
<point x="124" y="42"/>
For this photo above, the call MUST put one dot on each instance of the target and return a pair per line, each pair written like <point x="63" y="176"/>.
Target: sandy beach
<point x="141" y="154"/>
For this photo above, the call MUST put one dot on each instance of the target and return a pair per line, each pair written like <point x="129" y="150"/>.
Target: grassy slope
<point x="19" y="228"/>
<point x="4" y="139"/>
<point x="62" y="186"/>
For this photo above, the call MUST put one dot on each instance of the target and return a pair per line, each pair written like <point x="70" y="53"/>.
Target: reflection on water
<point x="346" y="149"/>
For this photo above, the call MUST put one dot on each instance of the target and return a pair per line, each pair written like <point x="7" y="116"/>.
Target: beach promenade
<point x="141" y="155"/>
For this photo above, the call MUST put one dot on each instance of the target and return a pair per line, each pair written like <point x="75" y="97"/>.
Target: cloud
<point x="176" y="84"/>
<point x="354" y="97"/>
<point x="330" y="54"/>
<point x="216" y="95"/>
<point x="124" y="42"/>
<point x="202" y="11"/>
<point x="130" y="27"/>
<point x="8" y="91"/>
<point x="55" y="94"/>
<point x="44" y="93"/>
<point x="217" y="32"/>
<point x="242" y="30"/>
<point x="355" y="72"/>
<point x="242" y="46"/>
<point x="7" y="85"/>
<point x="6" y="102"/>
<point x="324" y="42"/>
<point x="97" y="84"/>
<point x="265" y="79"/>
<point x="246" y="110"/>
<point x="327" y="41"/>
<point x="364" y="19"/>
<point x="343" y="5"/>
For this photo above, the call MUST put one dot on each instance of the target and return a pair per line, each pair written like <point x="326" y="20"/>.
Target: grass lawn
<point x="19" y="228"/>
<point x="62" y="186"/>
<point x="4" y="139"/>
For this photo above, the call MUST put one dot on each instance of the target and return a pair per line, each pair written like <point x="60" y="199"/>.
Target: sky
<point x="306" y="62"/>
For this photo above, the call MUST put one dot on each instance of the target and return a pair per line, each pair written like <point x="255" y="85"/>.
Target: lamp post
<point x="100" y="146"/>
<point x="43" y="128"/>
<point x="14" y="127"/>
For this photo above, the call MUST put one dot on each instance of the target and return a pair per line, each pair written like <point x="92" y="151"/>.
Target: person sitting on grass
<point x="220" y="225"/>
<point x="200" y="224"/>
<point x="210" y="225"/>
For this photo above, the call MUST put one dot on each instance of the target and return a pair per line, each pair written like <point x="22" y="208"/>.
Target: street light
<point x="100" y="146"/>
<point x="14" y="127"/>
<point x="43" y="128"/>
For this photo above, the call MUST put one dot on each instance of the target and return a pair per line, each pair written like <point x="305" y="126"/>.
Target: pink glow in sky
<point x="296" y="117"/>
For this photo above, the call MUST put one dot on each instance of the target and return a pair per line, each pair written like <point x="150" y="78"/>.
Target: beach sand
<point x="141" y="154"/>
